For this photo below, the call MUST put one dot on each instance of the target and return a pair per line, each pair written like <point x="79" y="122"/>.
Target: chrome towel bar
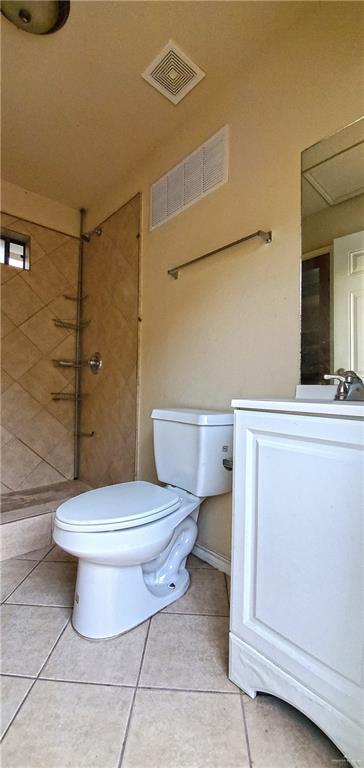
<point x="266" y="236"/>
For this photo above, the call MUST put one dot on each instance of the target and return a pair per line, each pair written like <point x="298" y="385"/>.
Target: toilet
<point x="132" y="539"/>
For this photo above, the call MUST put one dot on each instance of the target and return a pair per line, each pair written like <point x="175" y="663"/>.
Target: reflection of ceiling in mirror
<point x="333" y="170"/>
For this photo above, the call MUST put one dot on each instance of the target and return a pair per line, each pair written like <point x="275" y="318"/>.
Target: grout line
<point x="17" y="710"/>
<point x="32" y="605"/>
<point x="85" y="682"/>
<point x="133" y="698"/>
<point x="119" y="685"/>
<point x="160" y="613"/>
<point x="16" y="674"/>
<point x="34" y="680"/>
<point x="53" y="646"/>
<point x="187" y="690"/>
<point x="246" y="732"/>
<point x="39" y="605"/>
<point x="36" y="560"/>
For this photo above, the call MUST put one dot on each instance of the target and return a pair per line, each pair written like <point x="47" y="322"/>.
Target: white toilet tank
<point x="189" y="448"/>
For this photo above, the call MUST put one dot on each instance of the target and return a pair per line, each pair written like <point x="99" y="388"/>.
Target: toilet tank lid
<point x="200" y="417"/>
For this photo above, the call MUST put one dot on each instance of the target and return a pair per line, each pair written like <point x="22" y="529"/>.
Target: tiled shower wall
<point x="111" y="276"/>
<point x="37" y="439"/>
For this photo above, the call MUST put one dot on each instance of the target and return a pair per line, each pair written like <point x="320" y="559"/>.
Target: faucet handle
<point x="329" y="376"/>
<point x="342" y="388"/>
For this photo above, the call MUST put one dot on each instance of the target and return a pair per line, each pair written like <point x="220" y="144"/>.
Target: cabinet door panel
<point x="298" y="520"/>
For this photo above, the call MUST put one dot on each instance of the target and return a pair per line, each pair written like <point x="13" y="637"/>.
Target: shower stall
<point x="106" y="345"/>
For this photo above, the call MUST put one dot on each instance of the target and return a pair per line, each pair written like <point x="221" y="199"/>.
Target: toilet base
<point x="110" y="600"/>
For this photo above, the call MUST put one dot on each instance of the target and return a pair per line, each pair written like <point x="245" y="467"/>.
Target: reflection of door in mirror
<point x="348" y="295"/>
<point x="315" y="322"/>
<point x="332" y="185"/>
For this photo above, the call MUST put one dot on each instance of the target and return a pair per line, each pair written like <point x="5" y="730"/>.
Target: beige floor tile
<point x="59" y="555"/>
<point x="36" y="554"/>
<point x="195" y="562"/>
<point x="281" y="737"/>
<point x="48" y="584"/>
<point x="186" y="730"/>
<point x="205" y="595"/>
<point x="188" y="652"/>
<point x="13" y="691"/>
<point x="115" y="661"/>
<point x="12" y="572"/>
<point x="68" y="725"/>
<point x="28" y="635"/>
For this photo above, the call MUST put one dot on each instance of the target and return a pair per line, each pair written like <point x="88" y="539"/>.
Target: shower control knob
<point x="95" y="362"/>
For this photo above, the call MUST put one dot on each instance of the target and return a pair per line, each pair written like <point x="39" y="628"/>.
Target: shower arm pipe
<point x="78" y="351"/>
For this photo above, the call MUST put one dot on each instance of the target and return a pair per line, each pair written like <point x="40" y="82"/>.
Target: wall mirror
<point x="332" y="280"/>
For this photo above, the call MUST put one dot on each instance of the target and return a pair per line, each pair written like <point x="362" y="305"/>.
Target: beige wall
<point x="111" y="275"/>
<point x="24" y="204"/>
<point x="37" y="432"/>
<point x="323" y="227"/>
<point x="230" y="326"/>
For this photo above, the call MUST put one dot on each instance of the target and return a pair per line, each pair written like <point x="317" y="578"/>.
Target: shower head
<point x="86" y="236"/>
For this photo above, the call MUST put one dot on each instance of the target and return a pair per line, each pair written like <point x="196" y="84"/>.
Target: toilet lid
<point x="122" y="505"/>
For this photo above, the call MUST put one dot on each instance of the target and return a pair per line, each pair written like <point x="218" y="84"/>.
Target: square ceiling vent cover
<point x="173" y="73"/>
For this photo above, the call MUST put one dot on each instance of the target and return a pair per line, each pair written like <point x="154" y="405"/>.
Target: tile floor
<point x="157" y="697"/>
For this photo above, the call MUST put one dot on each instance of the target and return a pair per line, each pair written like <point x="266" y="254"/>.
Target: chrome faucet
<point x="350" y="385"/>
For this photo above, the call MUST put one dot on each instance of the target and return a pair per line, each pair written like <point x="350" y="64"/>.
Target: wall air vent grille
<point x="172" y="73"/>
<point x="196" y="176"/>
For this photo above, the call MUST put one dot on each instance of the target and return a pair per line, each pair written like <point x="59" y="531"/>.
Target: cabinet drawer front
<point x="298" y="580"/>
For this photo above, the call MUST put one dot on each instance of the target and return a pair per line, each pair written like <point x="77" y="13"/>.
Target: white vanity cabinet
<point x="297" y="605"/>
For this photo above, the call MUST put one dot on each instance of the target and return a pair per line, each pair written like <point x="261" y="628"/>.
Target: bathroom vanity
<point x="297" y="612"/>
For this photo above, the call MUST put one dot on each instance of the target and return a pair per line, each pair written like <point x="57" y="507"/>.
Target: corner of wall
<point x="30" y="206"/>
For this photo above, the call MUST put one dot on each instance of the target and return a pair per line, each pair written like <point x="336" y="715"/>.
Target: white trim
<point x="212" y="558"/>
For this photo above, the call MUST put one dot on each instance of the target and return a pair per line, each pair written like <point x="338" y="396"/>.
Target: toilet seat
<point x="114" y="507"/>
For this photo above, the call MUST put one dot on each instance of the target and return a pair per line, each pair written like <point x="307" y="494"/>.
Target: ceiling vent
<point x="172" y="73"/>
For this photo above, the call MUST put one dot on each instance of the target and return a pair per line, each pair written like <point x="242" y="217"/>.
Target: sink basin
<point x="325" y="392"/>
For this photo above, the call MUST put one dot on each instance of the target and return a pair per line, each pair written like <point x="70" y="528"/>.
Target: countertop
<point x="340" y="408"/>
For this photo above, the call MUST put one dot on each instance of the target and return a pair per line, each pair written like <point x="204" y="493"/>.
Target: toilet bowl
<point x="132" y="539"/>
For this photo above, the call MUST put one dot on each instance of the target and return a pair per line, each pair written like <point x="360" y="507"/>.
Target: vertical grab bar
<point x="78" y="353"/>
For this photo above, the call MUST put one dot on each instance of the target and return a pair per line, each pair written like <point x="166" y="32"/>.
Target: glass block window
<point x="14" y="249"/>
